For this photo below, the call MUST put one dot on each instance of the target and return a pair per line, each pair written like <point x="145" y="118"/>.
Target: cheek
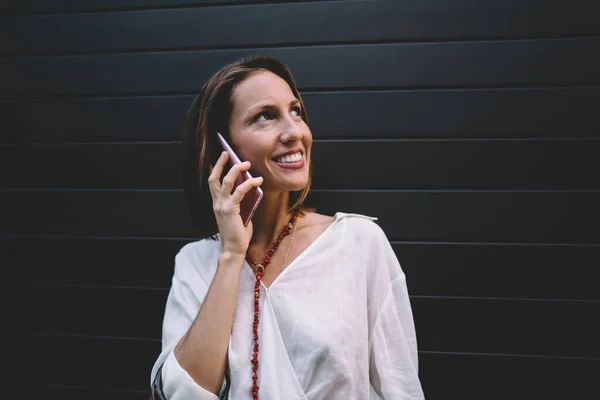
<point x="255" y="153"/>
<point x="246" y="147"/>
<point x="307" y="139"/>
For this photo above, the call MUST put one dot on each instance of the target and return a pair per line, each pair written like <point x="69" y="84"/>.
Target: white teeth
<point x="290" y="159"/>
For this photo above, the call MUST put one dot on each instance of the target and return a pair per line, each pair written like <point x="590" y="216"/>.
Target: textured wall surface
<point x="470" y="128"/>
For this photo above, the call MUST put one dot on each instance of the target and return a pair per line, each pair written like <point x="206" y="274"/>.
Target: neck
<point x="270" y="218"/>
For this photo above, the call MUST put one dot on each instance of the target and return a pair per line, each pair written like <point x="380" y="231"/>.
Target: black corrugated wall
<point x="470" y="128"/>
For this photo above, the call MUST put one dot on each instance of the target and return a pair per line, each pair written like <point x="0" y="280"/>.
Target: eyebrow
<point x="269" y="106"/>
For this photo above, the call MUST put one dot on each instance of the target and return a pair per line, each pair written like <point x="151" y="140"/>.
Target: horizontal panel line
<point x="102" y="389"/>
<point x="454" y="353"/>
<point x="323" y="90"/>
<point x="9" y="236"/>
<point x="161" y="7"/>
<point x="67" y="190"/>
<point x="166" y="289"/>
<point x="462" y="87"/>
<point x="457" y="88"/>
<point x="486" y="298"/>
<point x="452" y="191"/>
<point x="429" y="352"/>
<point x="495" y="244"/>
<point x="326" y="140"/>
<point x="359" y="191"/>
<point x="323" y="138"/>
<point x="150" y="95"/>
<point x="454" y="140"/>
<point x="79" y="336"/>
<point x="82" y="286"/>
<point x="299" y="45"/>
<point x="89" y="237"/>
<point x="92" y="143"/>
<point x="383" y="191"/>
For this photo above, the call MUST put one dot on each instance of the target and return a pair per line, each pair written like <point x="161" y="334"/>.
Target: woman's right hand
<point x="235" y="237"/>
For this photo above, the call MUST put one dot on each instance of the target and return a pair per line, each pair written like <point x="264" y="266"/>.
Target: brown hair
<point x="210" y="113"/>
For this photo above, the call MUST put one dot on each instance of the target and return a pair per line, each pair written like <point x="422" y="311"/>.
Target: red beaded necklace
<point x="259" y="270"/>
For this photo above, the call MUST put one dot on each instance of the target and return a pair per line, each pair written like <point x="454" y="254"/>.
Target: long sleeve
<point x="183" y="304"/>
<point x="394" y="363"/>
<point x="393" y="358"/>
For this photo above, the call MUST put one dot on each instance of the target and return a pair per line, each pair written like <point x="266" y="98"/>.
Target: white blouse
<point x="335" y="324"/>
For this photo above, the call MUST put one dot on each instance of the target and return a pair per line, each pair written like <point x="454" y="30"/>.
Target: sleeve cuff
<point x="179" y="385"/>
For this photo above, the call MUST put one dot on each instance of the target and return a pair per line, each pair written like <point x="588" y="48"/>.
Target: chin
<point x="297" y="188"/>
<point x="286" y="186"/>
<point x="297" y="184"/>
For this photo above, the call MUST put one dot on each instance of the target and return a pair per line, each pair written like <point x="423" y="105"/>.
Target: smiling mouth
<point x="289" y="159"/>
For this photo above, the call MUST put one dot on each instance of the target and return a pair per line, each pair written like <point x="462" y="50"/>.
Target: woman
<point x="328" y="316"/>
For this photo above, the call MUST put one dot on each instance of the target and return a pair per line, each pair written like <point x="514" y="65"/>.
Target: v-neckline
<point x="336" y="217"/>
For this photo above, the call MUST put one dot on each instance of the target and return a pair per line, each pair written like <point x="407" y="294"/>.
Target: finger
<point x="217" y="169"/>
<point x="232" y="175"/>
<point x="215" y="173"/>
<point x="245" y="187"/>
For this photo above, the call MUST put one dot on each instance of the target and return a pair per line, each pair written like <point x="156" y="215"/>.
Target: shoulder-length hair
<point x="210" y="113"/>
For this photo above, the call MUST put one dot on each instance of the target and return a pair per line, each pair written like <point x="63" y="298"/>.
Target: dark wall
<point x="470" y="128"/>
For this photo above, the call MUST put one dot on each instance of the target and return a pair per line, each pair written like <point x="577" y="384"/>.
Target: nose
<point x="291" y="130"/>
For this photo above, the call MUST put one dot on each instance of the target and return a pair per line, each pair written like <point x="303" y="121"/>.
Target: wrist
<point x="231" y="258"/>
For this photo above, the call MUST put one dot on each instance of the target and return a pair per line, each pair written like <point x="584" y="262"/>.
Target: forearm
<point x="202" y="351"/>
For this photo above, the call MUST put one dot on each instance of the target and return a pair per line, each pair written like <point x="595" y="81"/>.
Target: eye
<point x="262" y="116"/>
<point x="297" y="110"/>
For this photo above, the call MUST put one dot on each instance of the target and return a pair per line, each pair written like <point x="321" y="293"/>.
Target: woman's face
<point x="267" y="129"/>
